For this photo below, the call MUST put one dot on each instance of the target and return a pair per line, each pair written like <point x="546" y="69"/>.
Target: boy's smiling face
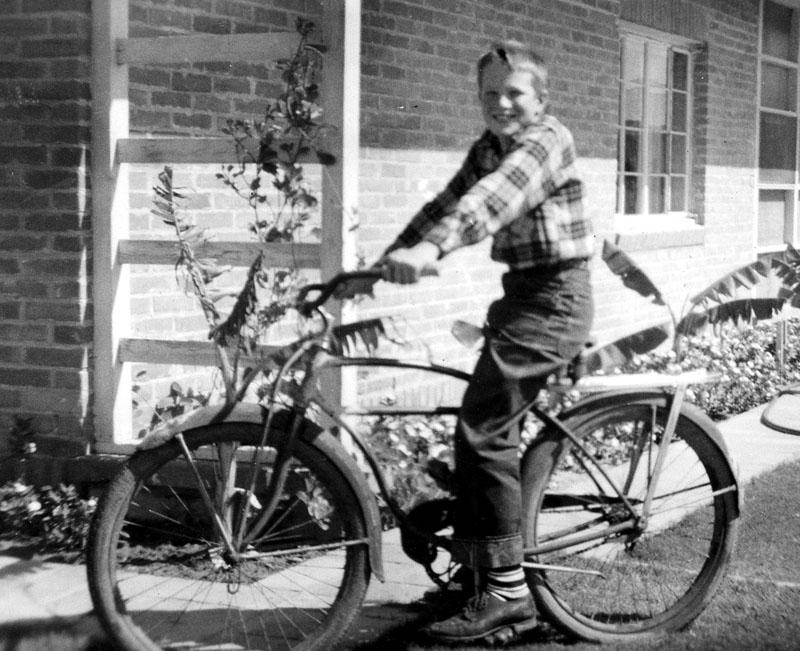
<point x="509" y="100"/>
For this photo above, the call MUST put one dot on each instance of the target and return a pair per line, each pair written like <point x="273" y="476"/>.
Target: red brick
<point x="191" y="83"/>
<point x="17" y="27"/>
<point x="21" y="243"/>
<point x="54" y="48"/>
<point x="68" y="357"/>
<point x="212" y="25"/>
<point x="53" y="311"/>
<point x="24" y="377"/>
<point x="50" y="6"/>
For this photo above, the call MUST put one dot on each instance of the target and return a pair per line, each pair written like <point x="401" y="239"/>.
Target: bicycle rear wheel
<point x="630" y="584"/>
<point x="160" y="574"/>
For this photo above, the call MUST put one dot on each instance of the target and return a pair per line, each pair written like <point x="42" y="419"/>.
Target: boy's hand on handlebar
<point x="355" y="287"/>
<point x="406" y="266"/>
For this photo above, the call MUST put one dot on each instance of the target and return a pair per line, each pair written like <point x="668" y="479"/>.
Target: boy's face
<point x="509" y="100"/>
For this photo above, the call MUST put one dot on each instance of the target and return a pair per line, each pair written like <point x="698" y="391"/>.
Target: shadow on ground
<point x="396" y="627"/>
<point x="61" y="634"/>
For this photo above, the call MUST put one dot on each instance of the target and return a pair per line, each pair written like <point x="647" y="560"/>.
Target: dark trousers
<point x="540" y="324"/>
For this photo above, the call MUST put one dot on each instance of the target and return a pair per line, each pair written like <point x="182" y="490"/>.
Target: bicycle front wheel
<point x="162" y="575"/>
<point x="606" y="581"/>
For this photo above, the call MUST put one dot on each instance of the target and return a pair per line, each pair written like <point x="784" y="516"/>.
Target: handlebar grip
<point x="326" y="290"/>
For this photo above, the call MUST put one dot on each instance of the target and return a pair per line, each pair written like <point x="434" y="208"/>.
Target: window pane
<point x="680" y="71"/>
<point x="632" y="109"/>
<point x="776" y="151"/>
<point x="780" y="31"/>
<point x="679" y="112"/>
<point x="633" y="145"/>
<point x="773" y="209"/>
<point x="657" y="186"/>
<point x="677" y="197"/>
<point x="632" y="191"/>
<point x="679" y="155"/>
<point x="632" y="60"/>
<point x="656" y="65"/>
<point x="778" y="87"/>
<point x="658" y="153"/>
<point x="657" y="109"/>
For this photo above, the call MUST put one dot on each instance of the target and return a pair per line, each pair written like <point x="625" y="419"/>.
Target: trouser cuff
<point x="499" y="551"/>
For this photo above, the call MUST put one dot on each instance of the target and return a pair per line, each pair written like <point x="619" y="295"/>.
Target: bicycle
<point x="253" y="527"/>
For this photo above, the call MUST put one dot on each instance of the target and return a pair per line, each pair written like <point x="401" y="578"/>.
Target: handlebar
<point x="326" y="290"/>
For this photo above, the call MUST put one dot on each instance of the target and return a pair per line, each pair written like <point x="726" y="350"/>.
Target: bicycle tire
<point x="157" y="577"/>
<point x="650" y="584"/>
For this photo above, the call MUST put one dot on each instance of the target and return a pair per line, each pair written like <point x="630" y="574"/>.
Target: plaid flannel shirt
<point x="529" y="198"/>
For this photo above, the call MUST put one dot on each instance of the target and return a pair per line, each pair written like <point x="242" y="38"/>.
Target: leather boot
<point x="483" y="615"/>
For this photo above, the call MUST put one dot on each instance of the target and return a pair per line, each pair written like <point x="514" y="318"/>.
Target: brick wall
<point x="197" y="99"/>
<point x="419" y="114"/>
<point x="724" y="156"/>
<point x="419" y="110"/>
<point x="194" y="99"/>
<point x="45" y="287"/>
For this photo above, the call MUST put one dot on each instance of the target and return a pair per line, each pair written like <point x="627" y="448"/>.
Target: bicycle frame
<point x="310" y="355"/>
<point x="635" y="521"/>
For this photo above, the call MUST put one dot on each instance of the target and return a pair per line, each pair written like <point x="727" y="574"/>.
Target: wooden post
<point x="112" y="387"/>
<point x="340" y="92"/>
<point x="781" y="339"/>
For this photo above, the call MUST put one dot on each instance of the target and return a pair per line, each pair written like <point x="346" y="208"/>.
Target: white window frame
<point x="682" y="223"/>
<point x="791" y="229"/>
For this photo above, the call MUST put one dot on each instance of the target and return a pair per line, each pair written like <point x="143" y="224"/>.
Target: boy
<point x="519" y="185"/>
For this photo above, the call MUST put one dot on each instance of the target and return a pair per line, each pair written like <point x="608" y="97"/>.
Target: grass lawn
<point x="758" y="606"/>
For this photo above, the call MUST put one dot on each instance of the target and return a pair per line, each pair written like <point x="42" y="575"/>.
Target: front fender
<point x="242" y="412"/>
<point x="323" y="440"/>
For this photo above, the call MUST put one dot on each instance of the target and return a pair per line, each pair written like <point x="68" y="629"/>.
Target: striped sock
<point x="507" y="583"/>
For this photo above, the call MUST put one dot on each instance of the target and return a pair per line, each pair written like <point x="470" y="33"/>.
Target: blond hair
<point x="518" y="57"/>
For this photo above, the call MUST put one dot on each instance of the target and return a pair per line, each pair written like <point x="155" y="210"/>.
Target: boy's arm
<point x="522" y="180"/>
<point x="432" y="212"/>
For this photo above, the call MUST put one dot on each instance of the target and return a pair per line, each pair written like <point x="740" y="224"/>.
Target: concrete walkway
<point x="45" y="605"/>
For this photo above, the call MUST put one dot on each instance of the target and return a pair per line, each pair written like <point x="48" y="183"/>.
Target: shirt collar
<point x="501" y="147"/>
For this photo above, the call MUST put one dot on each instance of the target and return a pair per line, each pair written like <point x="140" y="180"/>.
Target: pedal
<point x="511" y="633"/>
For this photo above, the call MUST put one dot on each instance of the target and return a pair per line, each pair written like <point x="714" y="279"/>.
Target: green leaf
<point x="195" y="236"/>
<point x="632" y="276"/>
<point x="743" y="310"/>
<point x="745" y="277"/>
<point x="622" y="350"/>
<point x="326" y="158"/>
<point x="209" y="269"/>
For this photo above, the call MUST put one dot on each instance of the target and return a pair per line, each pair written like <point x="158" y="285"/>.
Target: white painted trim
<point x="627" y="28"/>
<point x="187" y="150"/>
<point x="341" y="25"/>
<point x="112" y="386"/>
<point x="113" y="150"/>
<point x="192" y="48"/>
<point x="237" y="254"/>
<point x="185" y="353"/>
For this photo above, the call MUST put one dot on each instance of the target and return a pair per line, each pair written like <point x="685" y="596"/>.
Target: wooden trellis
<point x="114" y="151"/>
